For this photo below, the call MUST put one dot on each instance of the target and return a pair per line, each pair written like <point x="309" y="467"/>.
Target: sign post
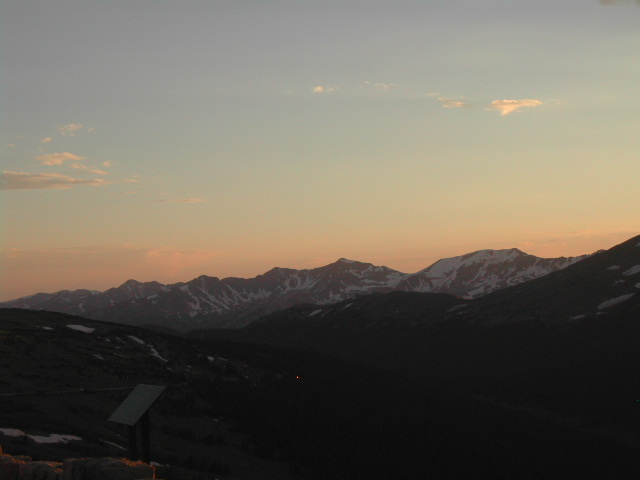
<point x="134" y="412"/>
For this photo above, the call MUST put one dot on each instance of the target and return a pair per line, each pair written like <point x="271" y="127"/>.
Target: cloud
<point x="46" y="140"/>
<point x="72" y="160"/>
<point x="70" y="129"/>
<point x="379" y="85"/>
<point x="80" y="166"/>
<point x="505" y="107"/>
<point x="323" y="89"/>
<point x="58" y="158"/>
<point x="28" y="181"/>
<point x="448" y="103"/>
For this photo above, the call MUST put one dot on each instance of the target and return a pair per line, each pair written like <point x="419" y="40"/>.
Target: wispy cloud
<point x="449" y="103"/>
<point x="505" y="107"/>
<point x="81" y="166"/>
<point x="379" y="85"/>
<point x="323" y="89"/>
<point x="28" y="181"/>
<point x="58" y="158"/>
<point x="46" y="140"/>
<point x="69" y="129"/>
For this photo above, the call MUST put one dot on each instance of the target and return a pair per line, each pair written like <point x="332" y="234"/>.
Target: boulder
<point x="40" y="471"/>
<point x="9" y="467"/>
<point x="106" y="469"/>
<point x="123" y="469"/>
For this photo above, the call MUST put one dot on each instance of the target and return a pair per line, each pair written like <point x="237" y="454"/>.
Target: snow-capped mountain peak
<point x="484" y="271"/>
<point x="345" y="260"/>
<point x="486" y="257"/>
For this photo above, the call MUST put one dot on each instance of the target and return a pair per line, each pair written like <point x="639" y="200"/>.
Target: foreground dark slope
<point x="565" y="346"/>
<point x="280" y="414"/>
<point x="63" y="374"/>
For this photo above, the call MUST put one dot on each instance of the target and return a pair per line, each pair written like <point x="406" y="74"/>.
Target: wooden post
<point x="133" y="442"/>
<point x="146" y="437"/>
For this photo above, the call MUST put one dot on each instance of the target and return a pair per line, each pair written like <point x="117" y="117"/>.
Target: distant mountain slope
<point x="565" y="346"/>
<point x="207" y="302"/>
<point x="606" y="285"/>
<point x="412" y="331"/>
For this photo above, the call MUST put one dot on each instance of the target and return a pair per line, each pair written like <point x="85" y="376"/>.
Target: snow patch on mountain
<point x="449" y="265"/>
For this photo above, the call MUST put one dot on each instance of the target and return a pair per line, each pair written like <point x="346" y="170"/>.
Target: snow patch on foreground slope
<point x="615" y="301"/>
<point x="81" y="328"/>
<point x="632" y="271"/>
<point x="51" y="438"/>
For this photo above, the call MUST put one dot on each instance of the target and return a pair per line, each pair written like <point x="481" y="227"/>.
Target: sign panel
<point x="136" y="404"/>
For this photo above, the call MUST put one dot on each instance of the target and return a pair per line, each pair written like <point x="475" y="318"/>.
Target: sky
<point x="163" y="140"/>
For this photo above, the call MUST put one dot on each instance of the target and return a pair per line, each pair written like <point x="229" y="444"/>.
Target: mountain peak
<point x="345" y="260"/>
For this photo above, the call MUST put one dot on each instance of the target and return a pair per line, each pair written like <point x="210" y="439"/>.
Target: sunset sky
<point x="162" y="140"/>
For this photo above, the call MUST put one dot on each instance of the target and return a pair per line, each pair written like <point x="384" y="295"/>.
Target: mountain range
<point x="209" y="302"/>
<point x="534" y="380"/>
